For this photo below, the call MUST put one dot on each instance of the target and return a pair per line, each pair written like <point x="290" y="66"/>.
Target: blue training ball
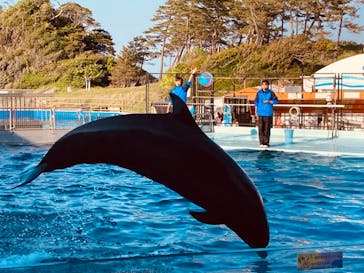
<point x="205" y="79"/>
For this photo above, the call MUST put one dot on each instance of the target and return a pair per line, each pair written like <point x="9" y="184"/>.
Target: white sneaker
<point x="265" y="146"/>
<point x="261" y="146"/>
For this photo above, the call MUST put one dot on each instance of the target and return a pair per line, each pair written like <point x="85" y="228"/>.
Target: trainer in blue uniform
<point x="264" y="101"/>
<point x="181" y="90"/>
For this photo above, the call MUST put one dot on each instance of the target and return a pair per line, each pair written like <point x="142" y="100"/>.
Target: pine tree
<point x="35" y="38"/>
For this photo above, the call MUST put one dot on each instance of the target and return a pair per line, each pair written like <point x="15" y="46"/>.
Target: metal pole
<point x="147" y="93"/>
<point x="11" y="114"/>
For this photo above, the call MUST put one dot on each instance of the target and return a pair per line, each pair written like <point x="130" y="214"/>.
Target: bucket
<point x="288" y="136"/>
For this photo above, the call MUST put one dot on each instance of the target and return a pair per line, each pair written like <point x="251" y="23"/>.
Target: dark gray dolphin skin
<point x="172" y="150"/>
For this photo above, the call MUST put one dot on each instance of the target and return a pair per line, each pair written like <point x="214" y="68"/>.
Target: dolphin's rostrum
<point x="172" y="150"/>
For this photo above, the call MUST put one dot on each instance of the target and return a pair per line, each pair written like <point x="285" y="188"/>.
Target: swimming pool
<point x="102" y="218"/>
<point x="61" y="118"/>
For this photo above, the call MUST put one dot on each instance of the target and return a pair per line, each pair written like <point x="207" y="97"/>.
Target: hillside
<point x="129" y="99"/>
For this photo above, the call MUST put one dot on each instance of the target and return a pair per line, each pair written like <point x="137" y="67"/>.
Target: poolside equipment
<point x="288" y="136"/>
<point x="309" y="261"/>
<point x="253" y="132"/>
<point x="227" y="116"/>
<point x="294" y="111"/>
<point x="159" y="147"/>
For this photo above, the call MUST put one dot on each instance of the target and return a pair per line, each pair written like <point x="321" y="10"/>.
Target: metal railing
<point x="19" y="109"/>
<point x="320" y="116"/>
<point x="205" y="121"/>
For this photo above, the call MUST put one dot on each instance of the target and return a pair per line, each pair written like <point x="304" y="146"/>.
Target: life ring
<point x="294" y="111"/>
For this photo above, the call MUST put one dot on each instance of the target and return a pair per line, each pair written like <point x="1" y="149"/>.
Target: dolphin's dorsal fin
<point x="181" y="110"/>
<point x="206" y="217"/>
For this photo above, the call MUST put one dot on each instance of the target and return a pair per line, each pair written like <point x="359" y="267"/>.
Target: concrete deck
<point x="350" y="143"/>
<point x="35" y="137"/>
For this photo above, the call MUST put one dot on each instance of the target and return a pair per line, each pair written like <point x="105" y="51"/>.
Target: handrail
<point x="205" y="120"/>
<point x="296" y="105"/>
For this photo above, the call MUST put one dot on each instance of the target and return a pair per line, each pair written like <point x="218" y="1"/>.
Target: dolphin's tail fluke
<point x="30" y="174"/>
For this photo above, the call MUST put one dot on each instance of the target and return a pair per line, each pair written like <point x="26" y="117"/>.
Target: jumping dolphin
<point x="172" y="150"/>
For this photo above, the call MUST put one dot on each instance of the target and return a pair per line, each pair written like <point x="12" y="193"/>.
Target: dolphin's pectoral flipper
<point x="206" y="217"/>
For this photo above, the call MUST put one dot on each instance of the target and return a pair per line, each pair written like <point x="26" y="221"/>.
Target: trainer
<point x="264" y="101"/>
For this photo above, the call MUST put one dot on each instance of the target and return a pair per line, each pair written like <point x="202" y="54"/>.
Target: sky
<point x="126" y="19"/>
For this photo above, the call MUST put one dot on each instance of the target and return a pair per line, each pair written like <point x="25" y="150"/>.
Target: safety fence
<point x="305" y="116"/>
<point x="48" y="118"/>
<point x="328" y="109"/>
<point x="22" y="110"/>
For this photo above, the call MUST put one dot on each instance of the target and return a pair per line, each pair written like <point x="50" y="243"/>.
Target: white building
<point x="346" y="75"/>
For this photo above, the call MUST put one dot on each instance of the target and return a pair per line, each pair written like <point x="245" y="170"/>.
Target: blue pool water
<point x="62" y="118"/>
<point x="102" y="218"/>
<point x="42" y="115"/>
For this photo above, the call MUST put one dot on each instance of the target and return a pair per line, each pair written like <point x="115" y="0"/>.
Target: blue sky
<point x="126" y="19"/>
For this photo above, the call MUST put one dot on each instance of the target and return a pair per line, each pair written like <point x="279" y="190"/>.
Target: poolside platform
<point x="36" y="137"/>
<point x="325" y="142"/>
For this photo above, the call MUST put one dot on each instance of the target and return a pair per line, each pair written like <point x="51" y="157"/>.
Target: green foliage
<point x="36" y="40"/>
<point x="252" y="37"/>
<point x="128" y="69"/>
<point x="182" y="69"/>
<point x="76" y="70"/>
<point x="125" y="70"/>
<point x="290" y="57"/>
<point x="41" y="45"/>
<point x="34" y="80"/>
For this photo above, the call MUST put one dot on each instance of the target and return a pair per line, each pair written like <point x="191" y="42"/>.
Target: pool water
<point x="103" y="218"/>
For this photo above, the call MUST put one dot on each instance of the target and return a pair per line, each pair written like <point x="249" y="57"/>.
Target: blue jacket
<point x="265" y="109"/>
<point x="181" y="91"/>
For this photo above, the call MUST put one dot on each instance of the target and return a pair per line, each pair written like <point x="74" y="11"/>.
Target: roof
<point x="350" y="65"/>
<point x="347" y="73"/>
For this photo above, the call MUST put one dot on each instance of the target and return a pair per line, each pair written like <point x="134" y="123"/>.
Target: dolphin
<point x="170" y="149"/>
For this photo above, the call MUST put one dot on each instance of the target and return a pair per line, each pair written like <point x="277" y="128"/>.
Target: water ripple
<point x="95" y="212"/>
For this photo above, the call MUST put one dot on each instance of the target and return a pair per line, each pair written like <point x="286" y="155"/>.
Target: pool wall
<point x="36" y="137"/>
<point x="297" y="132"/>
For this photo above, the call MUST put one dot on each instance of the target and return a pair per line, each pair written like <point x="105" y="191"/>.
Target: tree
<point x="35" y="38"/>
<point x="341" y="16"/>
<point x="183" y="25"/>
<point x="129" y="64"/>
<point x="157" y="37"/>
<point x="99" y="41"/>
<point x="22" y="50"/>
<point x="86" y="65"/>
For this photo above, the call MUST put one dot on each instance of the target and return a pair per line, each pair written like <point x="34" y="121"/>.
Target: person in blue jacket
<point x="264" y="101"/>
<point x="181" y="90"/>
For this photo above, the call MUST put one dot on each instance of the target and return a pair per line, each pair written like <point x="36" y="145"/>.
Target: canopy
<point x="347" y="73"/>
